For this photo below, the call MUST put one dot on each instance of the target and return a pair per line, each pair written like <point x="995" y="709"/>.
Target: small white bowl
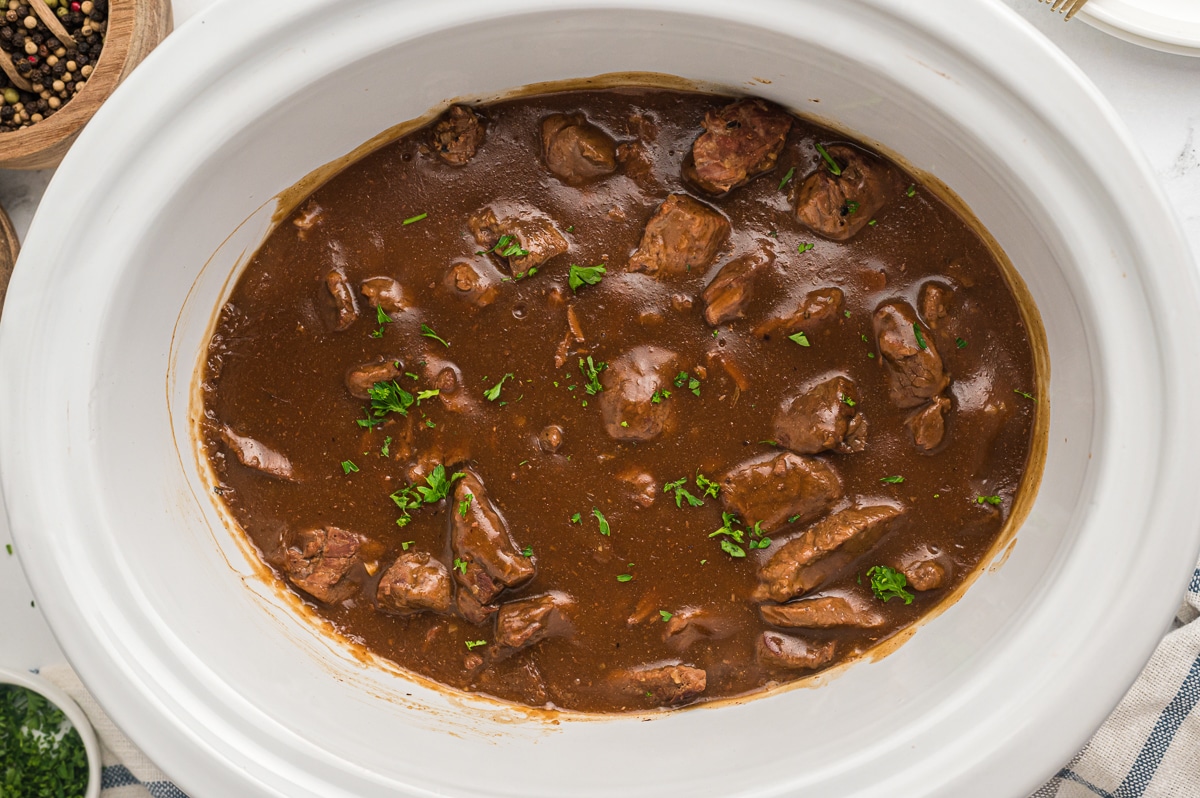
<point x="74" y="714"/>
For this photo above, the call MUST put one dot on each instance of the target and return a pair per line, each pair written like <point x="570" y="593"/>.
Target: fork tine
<point x="1075" y="6"/>
<point x="1058" y="5"/>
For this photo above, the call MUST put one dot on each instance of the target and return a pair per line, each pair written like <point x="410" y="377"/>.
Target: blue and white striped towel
<point x="1148" y="748"/>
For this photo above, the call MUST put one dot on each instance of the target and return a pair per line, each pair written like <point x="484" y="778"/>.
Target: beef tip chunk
<point x="784" y="652"/>
<point x="772" y="489"/>
<point x="483" y="542"/>
<point x="643" y="487"/>
<point x="575" y="150"/>
<point x="817" y="308"/>
<point x="820" y="613"/>
<point x="627" y="402"/>
<point x="457" y="136"/>
<point x="669" y="685"/>
<point x="523" y="241"/>
<point x="739" y="142"/>
<point x="692" y="624"/>
<point x="345" y="307"/>
<point x="317" y="561"/>
<point x="935" y="304"/>
<point x="571" y="339"/>
<point x="259" y="456"/>
<point x="386" y="293"/>
<point x="726" y="297"/>
<point x="683" y="235"/>
<point x="823" y="419"/>
<point x="448" y="380"/>
<point x="550" y="439"/>
<point x="803" y="563"/>
<point x="928" y="425"/>
<point x="838" y="206"/>
<point x="472" y="610"/>
<point x="415" y="582"/>
<point x="360" y="379"/>
<point x="914" y="368"/>
<point x="466" y="283"/>
<point x="924" y="574"/>
<point x="524" y="623"/>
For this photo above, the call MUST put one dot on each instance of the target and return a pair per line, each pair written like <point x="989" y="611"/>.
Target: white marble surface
<point x="1158" y="96"/>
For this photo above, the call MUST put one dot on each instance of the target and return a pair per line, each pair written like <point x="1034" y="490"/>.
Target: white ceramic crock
<point x="220" y="681"/>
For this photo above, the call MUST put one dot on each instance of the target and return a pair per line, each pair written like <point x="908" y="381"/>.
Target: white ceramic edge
<point x="1101" y="17"/>
<point x="76" y="715"/>
<point x="121" y="690"/>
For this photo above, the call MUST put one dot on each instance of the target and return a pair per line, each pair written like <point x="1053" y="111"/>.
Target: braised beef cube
<point x="360" y="379"/>
<point x="643" y="487"/>
<point x="457" y="136"/>
<point x="924" y="574"/>
<point x="473" y="611"/>
<point x="465" y="281"/>
<point x="481" y="541"/>
<point x="550" y="439"/>
<point x="415" y="582"/>
<point x="386" y="293"/>
<point x="935" y="303"/>
<point x="838" y="206"/>
<point x="726" y="297"/>
<point x="575" y="150"/>
<point x="447" y="378"/>
<point x="257" y="455"/>
<point x="817" y="308"/>
<point x="914" y="367"/>
<point x="739" y="142"/>
<point x="345" y="307"/>
<point x="820" y="613"/>
<point x="693" y="624"/>
<point x="774" y="489"/>
<point x="630" y="383"/>
<point x="317" y="561"/>
<point x="928" y="425"/>
<point x="805" y="562"/>
<point x="571" y="339"/>
<point x="669" y="685"/>
<point x="525" y="623"/>
<point x="775" y="650"/>
<point x="683" y="235"/>
<point x="523" y="241"/>
<point x="823" y="419"/>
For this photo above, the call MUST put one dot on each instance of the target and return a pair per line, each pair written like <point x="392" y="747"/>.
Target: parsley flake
<point x="591" y="372"/>
<point x="386" y="449"/>
<point x="993" y="500"/>
<point x="920" y="337"/>
<point x="829" y="162"/>
<point x="493" y="393"/>
<point x="896" y="480"/>
<point x="888" y="583"/>
<point x="666" y="616"/>
<point x="604" y="528"/>
<point x="473" y="644"/>
<point x="961" y="343"/>
<point x="577" y="519"/>
<point x="465" y="504"/>
<point x="787" y="178"/>
<point x="423" y="395"/>
<point x="585" y="275"/>
<point x="460" y="565"/>
<point x="624" y="577"/>
<point x="349" y="467"/>
<point x="417" y="218"/>
<point x="1028" y="396"/>
<point x="428" y="332"/>
<point x="804" y="246"/>
<point x="799" y="338"/>
<point x="912" y="190"/>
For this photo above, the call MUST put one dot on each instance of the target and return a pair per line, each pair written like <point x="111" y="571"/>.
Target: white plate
<point x="1172" y="26"/>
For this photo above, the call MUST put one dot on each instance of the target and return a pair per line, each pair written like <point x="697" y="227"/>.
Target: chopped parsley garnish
<point x="624" y="423"/>
<point x="411" y="497"/>
<point x="659" y="396"/>
<point x="404" y="545"/>
<point x="604" y="528"/>
<point x="408" y="374"/>
<point x="888" y="583"/>
<point x="423" y="395"/>
<point x="429" y="423"/>
<point x="624" y="577"/>
<point x="912" y="190"/>
<point x="682" y="494"/>
<point x="733" y="536"/>
<point x="460" y="565"/>
<point x="848" y="401"/>
<point x="666" y="616"/>
<point x="709" y="488"/>
<point x="793" y="519"/>
<point x="1028" y="396"/>
<point x="8" y="548"/>
<point x="832" y="164"/>
<point x="368" y="421"/>
<point x="349" y="467"/>
<point x="871" y="223"/>
<point x="389" y="397"/>
<point x="577" y="518"/>
<point x="920" y="337"/>
<point x="382" y="319"/>
<point x="416" y="218"/>
<point x="683" y="378"/>
<point x="993" y="500"/>
<point x="787" y="178"/>
<point x="493" y="393"/>
<point x="527" y="551"/>
<point x="473" y="644"/>
<point x="571" y="228"/>
<point x="428" y="332"/>
<point x="852" y="206"/>
<point x="585" y="275"/>
<point x="799" y="338"/>
<point x="961" y="343"/>
<point x="465" y="504"/>
<point x="804" y="246"/>
<point x="43" y="753"/>
<point x="386" y="449"/>
<point x="591" y="372"/>
<point x="896" y="480"/>
<point x="506" y="246"/>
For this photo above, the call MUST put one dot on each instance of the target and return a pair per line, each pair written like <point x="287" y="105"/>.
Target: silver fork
<point x="1069" y="7"/>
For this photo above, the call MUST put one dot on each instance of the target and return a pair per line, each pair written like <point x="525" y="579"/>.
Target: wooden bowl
<point x="135" y="27"/>
<point x="8" y="254"/>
